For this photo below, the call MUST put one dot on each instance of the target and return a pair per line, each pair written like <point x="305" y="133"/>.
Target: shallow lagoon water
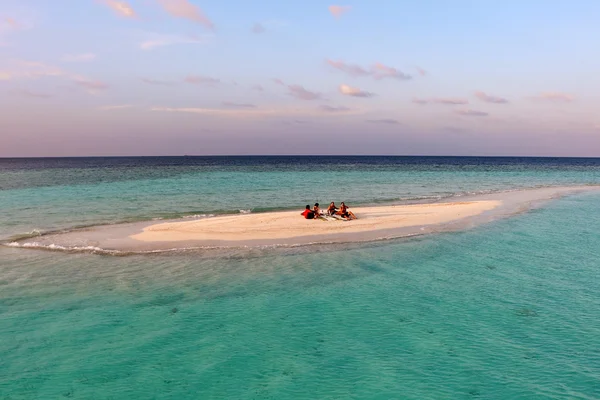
<point x="505" y="310"/>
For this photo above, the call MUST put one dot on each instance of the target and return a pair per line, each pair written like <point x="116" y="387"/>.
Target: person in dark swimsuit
<point x="345" y="213"/>
<point x="332" y="209"/>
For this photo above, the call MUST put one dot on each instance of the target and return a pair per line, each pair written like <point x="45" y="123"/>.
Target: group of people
<point x="332" y="210"/>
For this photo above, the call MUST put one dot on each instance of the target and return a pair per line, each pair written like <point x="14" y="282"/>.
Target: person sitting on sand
<point x="317" y="210"/>
<point x="308" y="213"/>
<point x="345" y="213"/>
<point x="332" y="209"/>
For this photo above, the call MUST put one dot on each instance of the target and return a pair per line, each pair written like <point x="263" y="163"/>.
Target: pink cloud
<point x="334" y="109"/>
<point x="472" y="113"/>
<point x="150" y="81"/>
<point x="377" y="71"/>
<point x="350" y="69"/>
<point x="122" y="8"/>
<point x="299" y="92"/>
<point x="238" y="105"/>
<point x="381" y="71"/>
<point x="197" y="80"/>
<point x="29" y="70"/>
<point x="417" y="100"/>
<point x="452" y="101"/>
<point x="490" y="99"/>
<point x="278" y="82"/>
<point x="449" y="101"/>
<point x="258" y="88"/>
<point x="91" y="85"/>
<point x="384" y="121"/>
<point x="116" y="107"/>
<point x="421" y="71"/>
<point x="11" y="23"/>
<point x="354" y="92"/>
<point x="187" y="10"/>
<point x="159" y="40"/>
<point x="27" y="93"/>
<point x="556" y="96"/>
<point x="338" y="11"/>
<point x="85" y="57"/>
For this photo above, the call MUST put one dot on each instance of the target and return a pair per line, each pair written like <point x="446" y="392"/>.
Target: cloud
<point x="116" y="107"/>
<point x="490" y="99"/>
<point x="19" y="69"/>
<point x="556" y="97"/>
<point x="258" y="88"/>
<point x="238" y="105"/>
<point x="452" y="101"/>
<point x="90" y="85"/>
<point x="472" y="113"/>
<point x="160" y="40"/>
<point x="84" y="57"/>
<point x="27" y="93"/>
<point x="338" y="11"/>
<point x="354" y="92"/>
<point x="417" y="100"/>
<point x="9" y="23"/>
<point x="198" y="80"/>
<point x="185" y="9"/>
<point x="383" y="121"/>
<point x="378" y="70"/>
<point x="150" y="81"/>
<point x="278" y="82"/>
<point x="122" y="8"/>
<point x="332" y="109"/>
<point x="258" y="28"/>
<point x="350" y="69"/>
<point x="421" y="71"/>
<point x="299" y="92"/>
<point x="381" y="71"/>
<point x="257" y="112"/>
<point x="294" y="122"/>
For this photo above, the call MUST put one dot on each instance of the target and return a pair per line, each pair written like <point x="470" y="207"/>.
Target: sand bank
<point x="290" y="229"/>
<point x="288" y="225"/>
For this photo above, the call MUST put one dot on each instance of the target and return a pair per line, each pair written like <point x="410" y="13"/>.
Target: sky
<point x="228" y="77"/>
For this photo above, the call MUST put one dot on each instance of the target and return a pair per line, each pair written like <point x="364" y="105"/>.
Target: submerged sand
<point x="287" y="225"/>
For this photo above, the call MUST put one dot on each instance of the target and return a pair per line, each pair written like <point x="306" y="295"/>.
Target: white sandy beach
<point x="288" y="225"/>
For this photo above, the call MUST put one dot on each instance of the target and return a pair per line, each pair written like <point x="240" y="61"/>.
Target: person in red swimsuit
<point x="308" y="213"/>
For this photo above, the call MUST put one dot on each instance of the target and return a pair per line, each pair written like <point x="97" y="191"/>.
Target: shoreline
<point x="288" y="228"/>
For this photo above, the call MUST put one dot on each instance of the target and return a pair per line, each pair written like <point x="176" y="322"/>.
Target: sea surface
<point x="505" y="310"/>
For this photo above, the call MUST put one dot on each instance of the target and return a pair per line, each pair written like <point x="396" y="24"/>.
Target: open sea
<point x="505" y="310"/>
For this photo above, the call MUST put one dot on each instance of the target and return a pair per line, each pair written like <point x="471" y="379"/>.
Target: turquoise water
<point x="505" y="310"/>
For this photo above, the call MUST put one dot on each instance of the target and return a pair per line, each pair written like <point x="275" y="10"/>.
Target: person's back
<point x="307" y="213"/>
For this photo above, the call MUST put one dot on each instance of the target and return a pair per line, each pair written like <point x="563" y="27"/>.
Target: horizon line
<point x="292" y="155"/>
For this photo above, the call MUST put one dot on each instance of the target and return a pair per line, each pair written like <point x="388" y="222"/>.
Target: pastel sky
<point x="201" y="77"/>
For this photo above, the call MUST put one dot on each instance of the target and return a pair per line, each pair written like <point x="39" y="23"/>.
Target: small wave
<point x="198" y="216"/>
<point x="99" y="250"/>
<point x="28" y="235"/>
<point x="245" y="211"/>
